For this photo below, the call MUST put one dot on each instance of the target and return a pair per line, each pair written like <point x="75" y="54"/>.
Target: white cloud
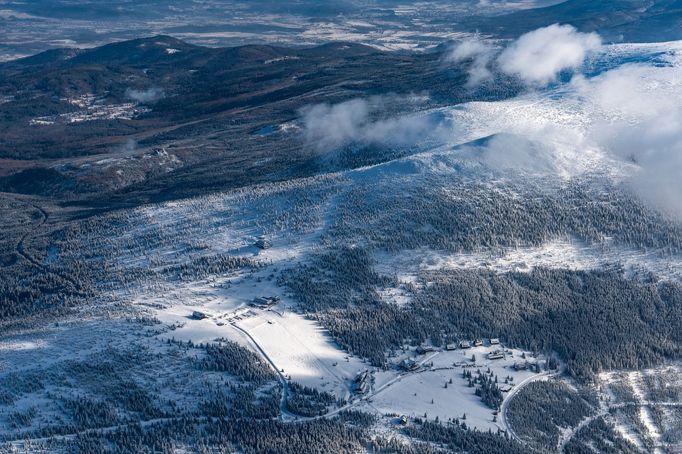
<point x="481" y="55"/>
<point x="635" y="90"/>
<point x="538" y="57"/>
<point x="328" y="126"/>
<point x="511" y="154"/>
<point x="626" y="121"/>
<point x="655" y="146"/>
<point x="144" y="96"/>
<point x="637" y="117"/>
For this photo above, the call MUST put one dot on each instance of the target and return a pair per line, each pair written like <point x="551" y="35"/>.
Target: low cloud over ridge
<point x="144" y="96"/>
<point x="638" y="118"/>
<point x="537" y="58"/>
<point x="481" y="54"/>
<point x="329" y="126"/>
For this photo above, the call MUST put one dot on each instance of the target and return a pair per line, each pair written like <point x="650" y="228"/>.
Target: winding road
<point x="284" y="412"/>
<point x="286" y="415"/>
<point x="505" y="403"/>
<point x="21" y="249"/>
<point x="20" y="244"/>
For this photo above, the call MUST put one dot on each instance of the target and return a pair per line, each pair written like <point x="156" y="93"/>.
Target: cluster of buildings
<point x="464" y="344"/>
<point x="410" y="365"/>
<point x="262" y="302"/>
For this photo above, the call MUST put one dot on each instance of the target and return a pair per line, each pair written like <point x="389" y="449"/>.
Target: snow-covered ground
<point x="632" y="397"/>
<point x="570" y="254"/>
<point x="424" y="391"/>
<point x="294" y="216"/>
<point x="304" y="351"/>
<point x="296" y="345"/>
<point x="39" y="369"/>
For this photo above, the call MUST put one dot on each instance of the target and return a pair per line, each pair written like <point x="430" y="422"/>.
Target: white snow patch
<point x="21" y="345"/>
<point x="645" y="432"/>
<point x="414" y="394"/>
<point x="305" y="351"/>
<point x="560" y="253"/>
<point x="92" y="108"/>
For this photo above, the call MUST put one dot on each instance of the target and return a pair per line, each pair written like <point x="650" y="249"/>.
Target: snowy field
<point x="299" y="347"/>
<point x="305" y="352"/>
<point x="424" y="391"/>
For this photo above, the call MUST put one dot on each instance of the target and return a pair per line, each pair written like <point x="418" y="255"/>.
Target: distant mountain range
<point x="617" y="20"/>
<point x="27" y="28"/>
<point x="92" y="115"/>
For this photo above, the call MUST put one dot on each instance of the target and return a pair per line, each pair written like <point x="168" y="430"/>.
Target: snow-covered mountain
<point x="338" y="248"/>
